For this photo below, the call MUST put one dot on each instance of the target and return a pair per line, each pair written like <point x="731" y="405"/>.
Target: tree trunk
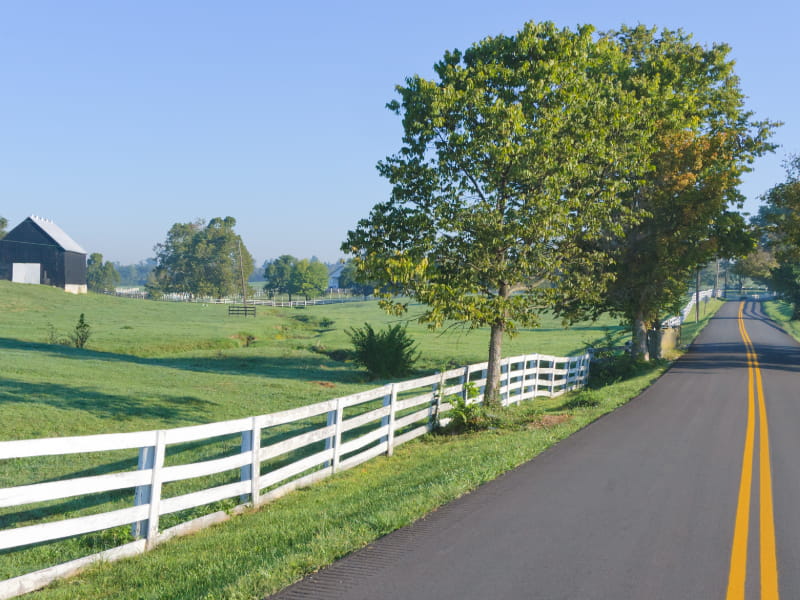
<point x="491" y="395"/>
<point x="640" y="348"/>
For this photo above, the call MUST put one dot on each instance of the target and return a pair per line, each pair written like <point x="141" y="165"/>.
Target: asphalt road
<point x="668" y="497"/>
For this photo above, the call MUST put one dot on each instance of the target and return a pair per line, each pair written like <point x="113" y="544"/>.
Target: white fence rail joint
<point x="315" y="441"/>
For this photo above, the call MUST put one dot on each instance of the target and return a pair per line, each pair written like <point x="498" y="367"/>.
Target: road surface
<point x="690" y="491"/>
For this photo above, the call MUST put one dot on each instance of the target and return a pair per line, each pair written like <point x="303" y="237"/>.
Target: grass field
<point x="159" y="364"/>
<point x="154" y="365"/>
<point x="781" y="312"/>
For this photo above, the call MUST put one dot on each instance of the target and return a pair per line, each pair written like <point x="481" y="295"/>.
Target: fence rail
<point x="279" y="452"/>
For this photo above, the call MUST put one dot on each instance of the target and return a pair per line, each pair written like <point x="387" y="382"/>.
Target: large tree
<point x="100" y="276"/>
<point x="310" y="278"/>
<point x="756" y="266"/>
<point x="202" y="259"/>
<point x="780" y="219"/>
<point x="289" y="275"/>
<point x="3" y="225"/>
<point x="700" y="141"/>
<point x="520" y="145"/>
<point x="350" y="279"/>
<point x="278" y="275"/>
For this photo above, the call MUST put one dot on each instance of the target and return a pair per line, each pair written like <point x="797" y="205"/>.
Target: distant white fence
<point x="258" y="297"/>
<point x="279" y="452"/>
<point x="677" y="321"/>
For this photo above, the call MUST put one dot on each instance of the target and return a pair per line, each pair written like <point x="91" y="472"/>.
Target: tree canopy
<point x="351" y="279"/>
<point x="289" y="275"/>
<point x="522" y="146"/>
<point x="780" y="219"/>
<point x="3" y="225"/>
<point x="202" y="259"/>
<point x="701" y="139"/>
<point x="100" y="276"/>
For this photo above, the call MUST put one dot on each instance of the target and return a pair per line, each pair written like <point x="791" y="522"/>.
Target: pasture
<point x="155" y="365"/>
<point x="160" y="364"/>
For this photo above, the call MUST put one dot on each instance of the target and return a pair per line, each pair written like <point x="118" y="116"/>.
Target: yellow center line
<point x="768" y="563"/>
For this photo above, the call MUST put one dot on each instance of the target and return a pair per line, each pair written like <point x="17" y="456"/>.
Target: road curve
<point x="664" y="498"/>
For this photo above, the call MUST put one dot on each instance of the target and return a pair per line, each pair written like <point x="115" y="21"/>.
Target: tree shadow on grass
<point x="305" y="368"/>
<point x="167" y="407"/>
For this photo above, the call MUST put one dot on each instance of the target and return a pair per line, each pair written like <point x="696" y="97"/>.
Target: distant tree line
<point x="136" y="274"/>
<point x="776" y="261"/>
<point x="100" y="276"/>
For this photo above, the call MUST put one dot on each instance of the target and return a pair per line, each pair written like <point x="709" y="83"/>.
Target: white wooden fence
<point x="311" y="443"/>
<point x="677" y="321"/>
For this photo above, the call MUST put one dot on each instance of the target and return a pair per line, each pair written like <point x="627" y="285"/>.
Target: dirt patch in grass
<point x="325" y="384"/>
<point x="547" y="421"/>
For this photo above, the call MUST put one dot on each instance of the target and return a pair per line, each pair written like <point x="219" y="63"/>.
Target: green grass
<point x="266" y="550"/>
<point x="155" y="365"/>
<point x="781" y="312"/>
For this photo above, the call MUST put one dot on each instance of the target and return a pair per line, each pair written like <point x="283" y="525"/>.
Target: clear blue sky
<point x="121" y="118"/>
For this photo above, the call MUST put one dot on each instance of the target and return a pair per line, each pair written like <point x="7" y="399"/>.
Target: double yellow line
<point x="769" y="564"/>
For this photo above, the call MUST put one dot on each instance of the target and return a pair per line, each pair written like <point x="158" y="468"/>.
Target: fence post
<point x="588" y="369"/>
<point x="465" y="384"/>
<point x="387" y="401"/>
<point x="552" y="377"/>
<point x="337" y="438"/>
<point x="330" y="441"/>
<point x="438" y="397"/>
<point x="391" y="420"/>
<point x="141" y="494"/>
<point x="251" y="442"/>
<point x="522" y="378"/>
<point x="508" y="381"/>
<point x="155" y="489"/>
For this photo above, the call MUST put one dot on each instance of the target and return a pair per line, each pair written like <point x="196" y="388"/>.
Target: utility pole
<point x="727" y="266"/>
<point x="241" y="270"/>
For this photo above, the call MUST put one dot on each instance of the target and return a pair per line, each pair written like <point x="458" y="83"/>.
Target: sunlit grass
<point x="121" y="385"/>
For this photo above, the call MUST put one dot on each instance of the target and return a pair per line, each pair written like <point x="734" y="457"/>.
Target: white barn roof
<point x="58" y="235"/>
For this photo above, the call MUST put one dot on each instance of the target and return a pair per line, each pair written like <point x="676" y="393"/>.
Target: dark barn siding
<point x="74" y="268"/>
<point x="27" y="243"/>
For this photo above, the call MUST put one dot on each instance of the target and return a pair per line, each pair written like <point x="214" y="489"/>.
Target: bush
<point x="81" y="333"/>
<point x="386" y="353"/>
<point x="607" y="371"/>
<point x="465" y="416"/>
<point x="78" y="337"/>
<point x="469" y="417"/>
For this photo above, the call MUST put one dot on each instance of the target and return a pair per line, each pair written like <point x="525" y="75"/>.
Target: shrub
<point x="607" y="371"/>
<point x="386" y="353"/>
<point x="465" y="416"/>
<point x="78" y="338"/>
<point x="80" y="335"/>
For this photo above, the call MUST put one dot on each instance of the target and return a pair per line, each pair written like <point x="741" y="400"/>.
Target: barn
<point x="39" y="251"/>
